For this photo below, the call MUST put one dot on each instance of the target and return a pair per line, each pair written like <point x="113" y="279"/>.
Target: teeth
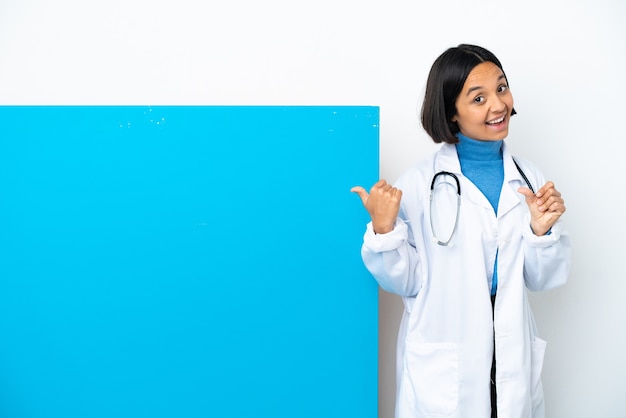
<point x="493" y="122"/>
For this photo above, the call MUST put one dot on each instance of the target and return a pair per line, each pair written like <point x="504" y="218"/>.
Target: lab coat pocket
<point x="537" y="354"/>
<point x="431" y="374"/>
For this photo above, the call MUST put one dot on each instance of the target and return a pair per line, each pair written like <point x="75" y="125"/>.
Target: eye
<point x="502" y="88"/>
<point x="479" y="99"/>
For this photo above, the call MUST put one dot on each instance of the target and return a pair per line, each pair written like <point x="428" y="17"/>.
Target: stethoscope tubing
<point x="447" y="243"/>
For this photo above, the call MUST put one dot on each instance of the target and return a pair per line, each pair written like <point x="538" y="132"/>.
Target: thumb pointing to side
<point x="361" y="192"/>
<point x="382" y="203"/>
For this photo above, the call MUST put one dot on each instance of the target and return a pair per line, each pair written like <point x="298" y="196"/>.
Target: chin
<point x="498" y="136"/>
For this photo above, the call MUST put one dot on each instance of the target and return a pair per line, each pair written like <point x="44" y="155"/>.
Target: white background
<point x="565" y="62"/>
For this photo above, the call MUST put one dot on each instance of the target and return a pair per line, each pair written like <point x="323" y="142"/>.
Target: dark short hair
<point x="445" y="82"/>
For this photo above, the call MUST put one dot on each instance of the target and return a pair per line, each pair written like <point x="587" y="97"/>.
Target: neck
<point x="473" y="149"/>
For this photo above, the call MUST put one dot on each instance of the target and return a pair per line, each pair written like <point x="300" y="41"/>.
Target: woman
<point x="463" y="261"/>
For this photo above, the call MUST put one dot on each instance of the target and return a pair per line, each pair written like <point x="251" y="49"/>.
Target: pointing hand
<point x="546" y="207"/>
<point x="382" y="203"/>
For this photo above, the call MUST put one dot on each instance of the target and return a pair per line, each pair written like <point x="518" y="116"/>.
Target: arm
<point x="547" y="248"/>
<point x="547" y="258"/>
<point x="387" y="250"/>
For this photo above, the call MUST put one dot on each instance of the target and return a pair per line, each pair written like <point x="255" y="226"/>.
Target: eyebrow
<point x="472" y="89"/>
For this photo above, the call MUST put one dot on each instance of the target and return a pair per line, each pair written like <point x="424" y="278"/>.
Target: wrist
<point x="382" y="229"/>
<point x="539" y="230"/>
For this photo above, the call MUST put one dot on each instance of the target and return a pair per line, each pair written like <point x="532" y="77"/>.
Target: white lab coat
<point x="446" y="337"/>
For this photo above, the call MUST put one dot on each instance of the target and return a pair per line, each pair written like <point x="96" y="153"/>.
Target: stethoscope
<point x="446" y="243"/>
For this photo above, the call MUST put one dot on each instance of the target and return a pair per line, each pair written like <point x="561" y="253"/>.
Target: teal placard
<point x="186" y="261"/>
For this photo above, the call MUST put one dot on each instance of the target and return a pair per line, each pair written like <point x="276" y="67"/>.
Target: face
<point x="485" y="104"/>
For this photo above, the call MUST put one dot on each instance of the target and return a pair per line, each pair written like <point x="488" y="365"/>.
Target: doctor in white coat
<point x="464" y="259"/>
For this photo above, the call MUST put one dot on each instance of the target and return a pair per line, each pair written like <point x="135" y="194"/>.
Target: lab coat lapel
<point x="449" y="161"/>
<point x="509" y="197"/>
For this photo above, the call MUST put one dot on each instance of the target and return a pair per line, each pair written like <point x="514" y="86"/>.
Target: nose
<point x="497" y="104"/>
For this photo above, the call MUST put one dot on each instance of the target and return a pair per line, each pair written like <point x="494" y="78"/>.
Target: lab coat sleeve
<point x="392" y="259"/>
<point x="547" y="258"/>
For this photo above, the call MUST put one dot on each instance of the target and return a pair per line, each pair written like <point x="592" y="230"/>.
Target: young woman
<point x="462" y="236"/>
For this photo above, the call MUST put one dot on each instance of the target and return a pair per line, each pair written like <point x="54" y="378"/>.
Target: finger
<point x="551" y="197"/>
<point x="379" y="184"/>
<point x="361" y="192"/>
<point x="557" y="207"/>
<point x="394" y="193"/>
<point x="549" y="193"/>
<point x="545" y="188"/>
<point x="528" y="194"/>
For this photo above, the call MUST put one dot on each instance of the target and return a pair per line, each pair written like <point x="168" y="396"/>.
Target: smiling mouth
<point x="496" y="121"/>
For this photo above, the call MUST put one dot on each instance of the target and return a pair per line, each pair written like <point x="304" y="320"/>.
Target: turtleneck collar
<point x="472" y="149"/>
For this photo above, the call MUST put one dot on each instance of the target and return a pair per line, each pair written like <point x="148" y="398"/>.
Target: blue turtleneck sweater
<point x="481" y="162"/>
